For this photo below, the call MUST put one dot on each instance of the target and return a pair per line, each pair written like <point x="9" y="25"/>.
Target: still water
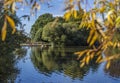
<point x="53" y="65"/>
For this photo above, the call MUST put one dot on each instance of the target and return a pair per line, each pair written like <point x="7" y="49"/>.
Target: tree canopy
<point x="40" y="23"/>
<point x="58" y="31"/>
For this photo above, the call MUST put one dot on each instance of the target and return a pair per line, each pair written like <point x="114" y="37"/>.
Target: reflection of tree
<point x="73" y="70"/>
<point x="8" y="60"/>
<point x="20" y="53"/>
<point x="8" y="71"/>
<point x="114" y="69"/>
<point x="60" y="60"/>
<point x="43" y="60"/>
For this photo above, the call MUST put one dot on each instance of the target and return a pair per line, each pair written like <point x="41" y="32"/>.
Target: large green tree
<point x="36" y="29"/>
<point x="74" y="35"/>
<point x="66" y="33"/>
<point x="38" y="26"/>
<point x="52" y="33"/>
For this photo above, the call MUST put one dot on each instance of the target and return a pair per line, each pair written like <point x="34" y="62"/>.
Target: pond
<point x="53" y="65"/>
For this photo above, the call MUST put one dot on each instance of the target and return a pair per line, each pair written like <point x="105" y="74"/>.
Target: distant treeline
<point x="57" y="31"/>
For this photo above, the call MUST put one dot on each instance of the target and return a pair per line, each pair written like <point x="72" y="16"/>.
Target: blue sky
<point x="56" y="10"/>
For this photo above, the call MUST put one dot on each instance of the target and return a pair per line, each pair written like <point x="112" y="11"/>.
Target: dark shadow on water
<point x="8" y="61"/>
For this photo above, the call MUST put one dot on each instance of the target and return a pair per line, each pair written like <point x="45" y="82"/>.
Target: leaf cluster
<point x="103" y="22"/>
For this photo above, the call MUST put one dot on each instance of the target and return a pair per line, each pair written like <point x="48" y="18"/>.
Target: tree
<point x="52" y="33"/>
<point x="69" y="32"/>
<point x="38" y="35"/>
<point x="74" y="35"/>
<point x="40" y="23"/>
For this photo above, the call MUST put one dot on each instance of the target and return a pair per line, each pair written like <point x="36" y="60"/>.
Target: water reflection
<point x="114" y="69"/>
<point x="8" y="68"/>
<point x="60" y="60"/>
<point x="20" y="53"/>
<point x="53" y="63"/>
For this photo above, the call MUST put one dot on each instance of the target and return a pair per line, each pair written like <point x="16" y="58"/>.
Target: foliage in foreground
<point x="103" y="20"/>
<point x="11" y="41"/>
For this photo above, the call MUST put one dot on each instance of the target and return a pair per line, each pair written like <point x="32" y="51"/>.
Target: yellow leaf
<point x="87" y="59"/>
<point x="67" y="15"/>
<point x="98" y="53"/>
<point x="105" y="47"/>
<point x="107" y="58"/>
<point x="115" y="44"/>
<point x="19" y="0"/>
<point x="13" y="7"/>
<point x="81" y="53"/>
<point x="93" y="15"/>
<point x="12" y="24"/>
<point x="110" y="20"/>
<point x="82" y="64"/>
<point x="84" y="24"/>
<point x="83" y="60"/>
<point x="92" y="55"/>
<point x="118" y="19"/>
<point x="93" y="24"/>
<point x="102" y="9"/>
<point x="99" y="28"/>
<point x="108" y="65"/>
<point x="118" y="22"/>
<point x="75" y="13"/>
<point x="89" y="25"/>
<point x="88" y="52"/>
<point x="93" y="39"/>
<point x="99" y="59"/>
<point x="110" y="43"/>
<point x="8" y="2"/>
<point x="111" y="16"/>
<point x="111" y="5"/>
<point x="70" y="1"/>
<point x="90" y="35"/>
<point x="38" y="6"/>
<point x="4" y="30"/>
<point x="118" y="44"/>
